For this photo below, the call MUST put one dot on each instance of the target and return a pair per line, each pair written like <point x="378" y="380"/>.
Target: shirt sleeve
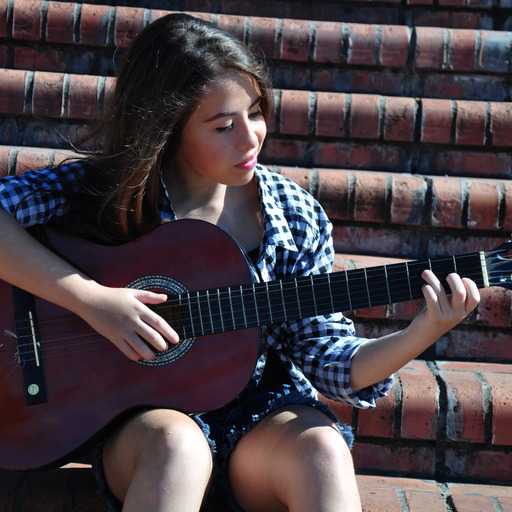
<point x="36" y="196"/>
<point x="320" y="349"/>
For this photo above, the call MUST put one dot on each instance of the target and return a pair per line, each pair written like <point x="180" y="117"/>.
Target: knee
<point x="177" y="441"/>
<point x="327" y="448"/>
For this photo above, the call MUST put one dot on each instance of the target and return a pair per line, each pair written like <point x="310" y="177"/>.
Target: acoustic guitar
<point x="62" y="383"/>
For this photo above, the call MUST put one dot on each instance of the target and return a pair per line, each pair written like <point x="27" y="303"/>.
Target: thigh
<point x="282" y="456"/>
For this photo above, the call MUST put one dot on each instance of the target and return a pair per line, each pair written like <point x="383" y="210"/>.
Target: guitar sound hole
<point x="171" y="312"/>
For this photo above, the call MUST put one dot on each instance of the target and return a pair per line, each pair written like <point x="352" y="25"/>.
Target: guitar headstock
<point x="499" y="265"/>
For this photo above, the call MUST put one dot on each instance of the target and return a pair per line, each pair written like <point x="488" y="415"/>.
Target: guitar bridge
<point x="29" y="348"/>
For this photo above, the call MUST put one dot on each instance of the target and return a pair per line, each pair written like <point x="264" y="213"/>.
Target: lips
<point x="249" y="163"/>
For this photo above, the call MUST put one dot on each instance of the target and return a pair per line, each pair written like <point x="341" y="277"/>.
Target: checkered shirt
<point x="297" y="241"/>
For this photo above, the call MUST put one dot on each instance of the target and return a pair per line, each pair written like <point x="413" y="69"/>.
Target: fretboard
<point x="256" y="304"/>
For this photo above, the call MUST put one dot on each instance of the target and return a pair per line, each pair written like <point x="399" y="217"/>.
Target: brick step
<point x="443" y="420"/>
<point x="308" y="114"/>
<point x="365" y="197"/>
<point x="72" y="489"/>
<point x="391" y="58"/>
<point x="425" y="13"/>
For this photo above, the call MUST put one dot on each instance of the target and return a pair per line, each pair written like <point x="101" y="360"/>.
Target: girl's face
<point x="222" y="138"/>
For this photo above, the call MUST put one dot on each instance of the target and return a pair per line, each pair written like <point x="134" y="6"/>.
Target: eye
<point x="224" y="129"/>
<point x="257" y="114"/>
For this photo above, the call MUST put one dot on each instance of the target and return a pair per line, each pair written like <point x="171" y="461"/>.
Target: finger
<point x="472" y="294"/>
<point x="156" y="322"/>
<point x="433" y="291"/>
<point x="458" y="294"/>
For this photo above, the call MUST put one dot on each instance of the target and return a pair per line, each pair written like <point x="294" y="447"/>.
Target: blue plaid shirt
<point x="297" y="241"/>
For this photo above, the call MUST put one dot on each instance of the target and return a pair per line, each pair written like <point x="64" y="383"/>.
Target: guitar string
<point x="100" y="341"/>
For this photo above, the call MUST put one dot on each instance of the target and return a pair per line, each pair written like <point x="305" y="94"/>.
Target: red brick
<point x="399" y="458"/>
<point x="429" y="48"/>
<point x="470" y="124"/>
<point x="407" y="200"/>
<point x="3" y="20"/>
<point x="129" y="22"/>
<point x="399" y="119"/>
<point x="500" y="384"/>
<point x="385" y="500"/>
<point x="94" y="24"/>
<point x="295" y="42"/>
<point x="330" y="114"/>
<point x="501" y="124"/>
<point x="484" y="205"/>
<point x="328" y="42"/>
<point x="370" y="197"/>
<point x="465" y="406"/>
<point x="446" y="203"/>
<point x="60" y="22"/>
<point x="333" y="193"/>
<point x="232" y="24"/>
<point x="420" y="501"/>
<point x="470" y="163"/>
<point x="436" y="121"/>
<point x="263" y="36"/>
<point x="362" y="44"/>
<point x="83" y="97"/>
<point x="420" y="401"/>
<point x="364" y="116"/>
<point x="301" y="177"/>
<point x="295" y="112"/>
<point x="27" y="21"/>
<point x="461" y="49"/>
<point x="378" y="422"/>
<point x="277" y="151"/>
<point x="12" y="91"/>
<point x="47" y="97"/>
<point x="31" y="158"/>
<point x="395" y="45"/>
<point x="488" y="345"/>
<point x="473" y="503"/>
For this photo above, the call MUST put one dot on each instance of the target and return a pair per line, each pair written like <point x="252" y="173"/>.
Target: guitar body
<point x="89" y="382"/>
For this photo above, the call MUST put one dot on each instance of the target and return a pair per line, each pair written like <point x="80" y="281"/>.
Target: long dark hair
<point x="167" y="69"/>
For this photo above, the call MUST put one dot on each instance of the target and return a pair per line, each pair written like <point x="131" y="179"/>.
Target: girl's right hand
<point x="122" y="316"/>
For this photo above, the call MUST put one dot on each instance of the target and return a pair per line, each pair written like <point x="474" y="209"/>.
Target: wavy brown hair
<point x="167" y="69"/>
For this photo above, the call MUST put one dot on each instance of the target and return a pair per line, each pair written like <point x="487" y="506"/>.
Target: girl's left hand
<point x="443" y="310"/>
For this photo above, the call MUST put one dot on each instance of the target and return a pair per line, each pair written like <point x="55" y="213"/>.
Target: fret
<point x="199" y="308"/>
<point x="184" y="327"/>
<point x="367" y="289"/>
<point x="255" y="304"/>
<point x="268" y="301"/>
<point x="298" y="298"/>
<point x="231" y="308"/>
<point x="339" y="291"/>
<point x="333" y="309"/>
<point x="313" y="294"/>
<point x="324" y="300"/>
<point x="214" y="312"/>
<point x="358" y="289"/>
<point x="408" y="279"/>
<point x="228" y="323"/>
<point x="398" y="279"/>
<point x="220" y="310"/>
<point x="193" y="307"/>
<point x="212" y="328"/>
<point x="243" y="306"/>
<point x="251" y="317"/>
<point x="282" y="299"/>
<point x="348" y="292"/>
<point x="291" y="300"/>
<point x="262" y="304"/>
<point x="306" y="296"/>
<point x="378" y="286"/>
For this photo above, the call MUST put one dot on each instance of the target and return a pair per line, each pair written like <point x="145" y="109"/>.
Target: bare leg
<point x="158" y="461"/>
<point x="294" y="460"/>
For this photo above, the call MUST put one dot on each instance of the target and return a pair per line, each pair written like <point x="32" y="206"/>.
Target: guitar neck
<point x="250" y="305"/>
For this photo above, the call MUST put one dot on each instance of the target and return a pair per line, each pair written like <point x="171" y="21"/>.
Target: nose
<point x="249" y="136"/>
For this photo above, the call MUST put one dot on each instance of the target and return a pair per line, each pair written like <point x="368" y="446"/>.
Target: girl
<point x="181" y="140"/>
